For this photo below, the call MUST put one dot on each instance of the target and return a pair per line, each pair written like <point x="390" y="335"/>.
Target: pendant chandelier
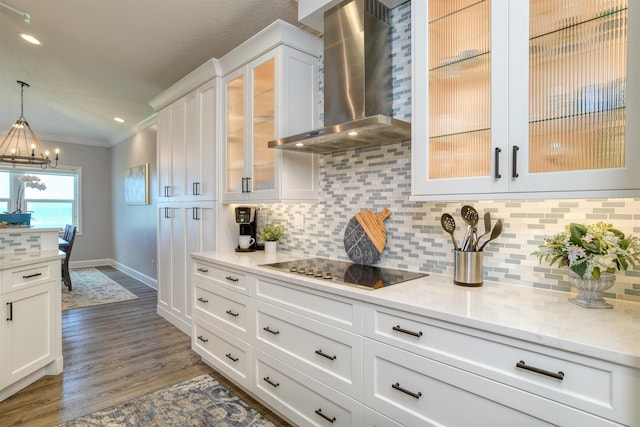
<point x="21" y="146"/>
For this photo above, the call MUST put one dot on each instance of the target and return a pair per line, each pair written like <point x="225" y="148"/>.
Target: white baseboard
<point x="149" y="281"/>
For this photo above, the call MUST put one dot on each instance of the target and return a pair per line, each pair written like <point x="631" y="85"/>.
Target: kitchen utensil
<point x="449" y="225"/>
<point x="495" y="232"/>
<point x="470" y="217"/>
<point x="365" y="236"/>
<point x="487" y="229"/>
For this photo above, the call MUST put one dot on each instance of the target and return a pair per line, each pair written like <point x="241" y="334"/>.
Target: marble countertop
<point x="536" y="315"/>
<point x="10" y="260"/>
<point x="28" y="229"/>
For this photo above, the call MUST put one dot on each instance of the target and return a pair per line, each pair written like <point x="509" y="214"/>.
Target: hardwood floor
<point x="112" y="353"/>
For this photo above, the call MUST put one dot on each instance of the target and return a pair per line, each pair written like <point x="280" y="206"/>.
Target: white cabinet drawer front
<point x="225" y="277"/>
<point x="17" y="278"/>
<point x="223" y="351"/>
<point x="584" y="383"/>
<point x="341" y="312"/>
<point x="225" y="309"/>
<point x="329" y="354"/>
<point x="415" y="390"/>
<point x="371" y="418"/>
<point x="303" y="400"/>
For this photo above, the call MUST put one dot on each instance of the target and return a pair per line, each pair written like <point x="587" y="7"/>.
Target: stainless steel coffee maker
<point x="246" y="218"/>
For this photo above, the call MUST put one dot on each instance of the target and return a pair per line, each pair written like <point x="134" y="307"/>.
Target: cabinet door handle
<point x="404" y="390"/>
<point x="195" y="215"/>
<point x="10" y="318"/>
<point x="232" y="279"/>
<point x="271" y="331"/>
<point x="203" y="339"/>
<point x="203" y="300"/>
<point x="244" y="184"/>
<point x="323" y="354"/>
<point x="331" y="420"/>
<point x="167" y="213"/>
<point x="203" y="270"/>
<point x="166" y="190"/>
<point x="29" y="276"/>
<point x="229" y="356"/>
<point x="268" y="380"/>
<point x="231" y="313"/>
<point x="558" y="376"/>
<point x="406" y="331"/>
<point x="514" y="166"/>
<point x="195" y="188"/>
<point x="497" y="174"/>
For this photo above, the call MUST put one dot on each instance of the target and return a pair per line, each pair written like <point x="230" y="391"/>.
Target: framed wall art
<point x="136" y="185"/>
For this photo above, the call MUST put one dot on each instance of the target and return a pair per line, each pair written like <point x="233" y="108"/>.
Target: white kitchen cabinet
<point x="496" y="377"/>
<point x="187" y="146"/>
<point x="267" y="94"/>
<point x="524" y="99"/>
<point x="183" y="228"/>
<point x="30" y="333"/>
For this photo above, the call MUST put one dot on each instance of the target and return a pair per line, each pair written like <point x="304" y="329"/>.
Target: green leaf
<point x="580" y="269"/>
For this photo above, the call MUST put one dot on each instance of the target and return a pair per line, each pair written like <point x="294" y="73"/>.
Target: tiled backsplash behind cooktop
<point x="375" y="178"/>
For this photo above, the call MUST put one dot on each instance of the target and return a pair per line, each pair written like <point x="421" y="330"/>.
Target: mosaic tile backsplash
<point x="375" y="178"/>
<point x="19" y="242"/>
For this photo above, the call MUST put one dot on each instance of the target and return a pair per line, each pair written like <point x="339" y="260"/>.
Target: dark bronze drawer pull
<point x="231" y="313"/>
<point x="203" y="339"/>
<point x="331" y="420"/>
<point x="558" y="376"/>
<point x="229" y="356"/>
<point x="203" y="270"/>
<point x="410" y="393"/>
<point x="195" y="188"/>
<point x="514" y="165"/>
<point x="271" y="331"/>
<point x="29" y="276"/>
<point x="10" y="318"/>
<point x="231" y="278"/>
<point x="323" y="354"/>
<point x="202" y="299"/>
<point x="271" y="382"/>
<point x="405" y="331"/>
<point x="497" y="174"/>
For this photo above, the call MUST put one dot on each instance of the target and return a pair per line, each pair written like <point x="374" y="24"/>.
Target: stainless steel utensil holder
<point x="467" y="268"/>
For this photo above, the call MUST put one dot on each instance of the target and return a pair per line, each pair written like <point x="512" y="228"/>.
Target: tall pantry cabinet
<point x="186" y="217"/>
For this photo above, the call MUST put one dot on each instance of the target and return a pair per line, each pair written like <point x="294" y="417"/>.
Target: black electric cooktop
<point x="365" y="276"/>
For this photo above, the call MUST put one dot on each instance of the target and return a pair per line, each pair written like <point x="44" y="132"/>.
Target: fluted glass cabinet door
<point x="577" y="85"/>
<point x="459" y="88"/>
<point x="263" y="126"/>
<point x="235" y="130"/>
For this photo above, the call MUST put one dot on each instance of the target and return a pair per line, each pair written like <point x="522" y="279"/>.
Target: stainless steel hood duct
<point x="357" y="83"/>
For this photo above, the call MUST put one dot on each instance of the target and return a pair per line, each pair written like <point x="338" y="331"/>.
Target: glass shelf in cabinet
<point x="607" y="21"/>
<point x="451" y="134"/>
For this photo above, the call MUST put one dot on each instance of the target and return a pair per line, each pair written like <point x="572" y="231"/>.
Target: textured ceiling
<point x="101" y="59"/>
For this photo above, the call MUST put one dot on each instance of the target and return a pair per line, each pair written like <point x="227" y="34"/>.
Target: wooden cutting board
<point x="365" y="236"/>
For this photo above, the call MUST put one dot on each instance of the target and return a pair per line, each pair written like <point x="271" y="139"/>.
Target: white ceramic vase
<point x="590" y="290"/>
<point x="270" y="247"/>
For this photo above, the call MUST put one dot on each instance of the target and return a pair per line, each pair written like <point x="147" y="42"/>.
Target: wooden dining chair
<point x="69" y="236"/>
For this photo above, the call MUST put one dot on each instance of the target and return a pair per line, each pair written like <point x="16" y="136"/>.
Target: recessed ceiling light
<point x="352" y="133"/>
<point x="299" y="144"/>
<point x="118" y="119"/>
<point x="30" y="39"/>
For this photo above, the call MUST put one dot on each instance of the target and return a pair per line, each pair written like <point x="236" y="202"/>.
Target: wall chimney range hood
<point x="357" y="83"/>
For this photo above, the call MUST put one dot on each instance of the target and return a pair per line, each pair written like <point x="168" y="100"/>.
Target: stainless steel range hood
<point x="357" y="83"/>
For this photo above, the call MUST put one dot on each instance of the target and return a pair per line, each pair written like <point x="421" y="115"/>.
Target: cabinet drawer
<point x="222" y="276"/>
<point x="415" y="390"/>
<point x="371" y="418"/>
<point x="221" y="307"/>
<point x="334" y="310"/>
<point x="303" y="400"/>
<point x="591" y="385"/>
<point x="222" y="350"/>
<point x="324" y="352"/>
<point x="29" y="275"/>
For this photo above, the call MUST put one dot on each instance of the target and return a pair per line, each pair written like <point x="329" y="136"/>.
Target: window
<point x="56" y="206"/>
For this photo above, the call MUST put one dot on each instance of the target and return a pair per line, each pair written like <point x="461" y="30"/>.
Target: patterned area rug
<point x="201" y="401"/>
<point x="91" y="287"/>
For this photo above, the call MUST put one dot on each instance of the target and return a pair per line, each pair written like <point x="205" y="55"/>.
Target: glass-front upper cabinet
<point x="524" y="97"/>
